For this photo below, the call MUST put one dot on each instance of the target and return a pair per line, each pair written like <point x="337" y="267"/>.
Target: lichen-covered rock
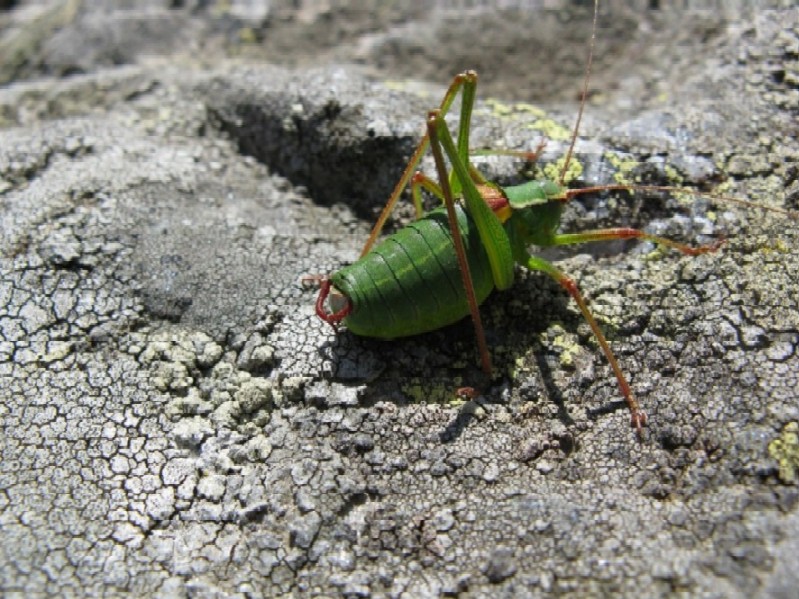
<point x="176" y="420"/>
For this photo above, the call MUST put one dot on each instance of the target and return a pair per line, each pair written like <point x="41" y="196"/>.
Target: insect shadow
<point x="428" y="368"/>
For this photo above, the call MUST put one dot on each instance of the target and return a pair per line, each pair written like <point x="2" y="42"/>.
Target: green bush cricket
<point x="440" y="268"/>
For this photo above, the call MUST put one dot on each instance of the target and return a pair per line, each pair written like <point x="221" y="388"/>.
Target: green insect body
<point x="410" y="284"/>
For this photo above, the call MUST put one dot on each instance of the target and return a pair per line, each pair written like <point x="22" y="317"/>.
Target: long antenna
<point x="585" y="95"/>
<point x="570" y="193"/>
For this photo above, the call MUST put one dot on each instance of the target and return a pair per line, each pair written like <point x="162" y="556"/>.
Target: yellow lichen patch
<point x="456" y="401"/>
<point x="503" y="110"/>
<point x="552" y="170"/>
<point x="722" y="189"/>
<point x="423" y="392"/>
<point x="674" y="177"/>
<point x="657" y="254"/>
<point x="499" y="108"/>
<point x="685" y="197"/>
<point x="566" y="343"/>
<point x="551" y="129"/>
<point x="518" y="367"/>
<point x="775" y="245"/>
<point x="414" y="391"/>
<point x="407" y="86"/>
<point x="395" y="85"/>
<point x="785" y="450"/>
<point x="623" y="166"/>
<point x="569" y="348"/>
<point x="530" y="109"/>
<point x="247" y="35"/>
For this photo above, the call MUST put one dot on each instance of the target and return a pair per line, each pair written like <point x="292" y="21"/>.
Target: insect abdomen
<point x="410" y="283"/>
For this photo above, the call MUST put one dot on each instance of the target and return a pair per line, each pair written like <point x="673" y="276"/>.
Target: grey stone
<point x="177" y="421"/>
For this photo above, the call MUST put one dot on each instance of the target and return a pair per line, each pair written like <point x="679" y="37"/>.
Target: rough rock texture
<point x="177" y="422"/>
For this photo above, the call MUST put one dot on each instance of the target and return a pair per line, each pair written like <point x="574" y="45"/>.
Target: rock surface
<point x="177" y="422"/>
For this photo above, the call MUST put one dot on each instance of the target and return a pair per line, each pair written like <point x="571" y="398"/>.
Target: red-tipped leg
<point x="331" y="318"/>
<point x="441" y="142"/>
<point x="637" y="416"/>
<point x="638" y="421"/>
<point x="467" y="393"/>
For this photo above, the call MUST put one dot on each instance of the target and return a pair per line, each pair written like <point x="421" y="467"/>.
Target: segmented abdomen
<point x="410" y="283"/>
